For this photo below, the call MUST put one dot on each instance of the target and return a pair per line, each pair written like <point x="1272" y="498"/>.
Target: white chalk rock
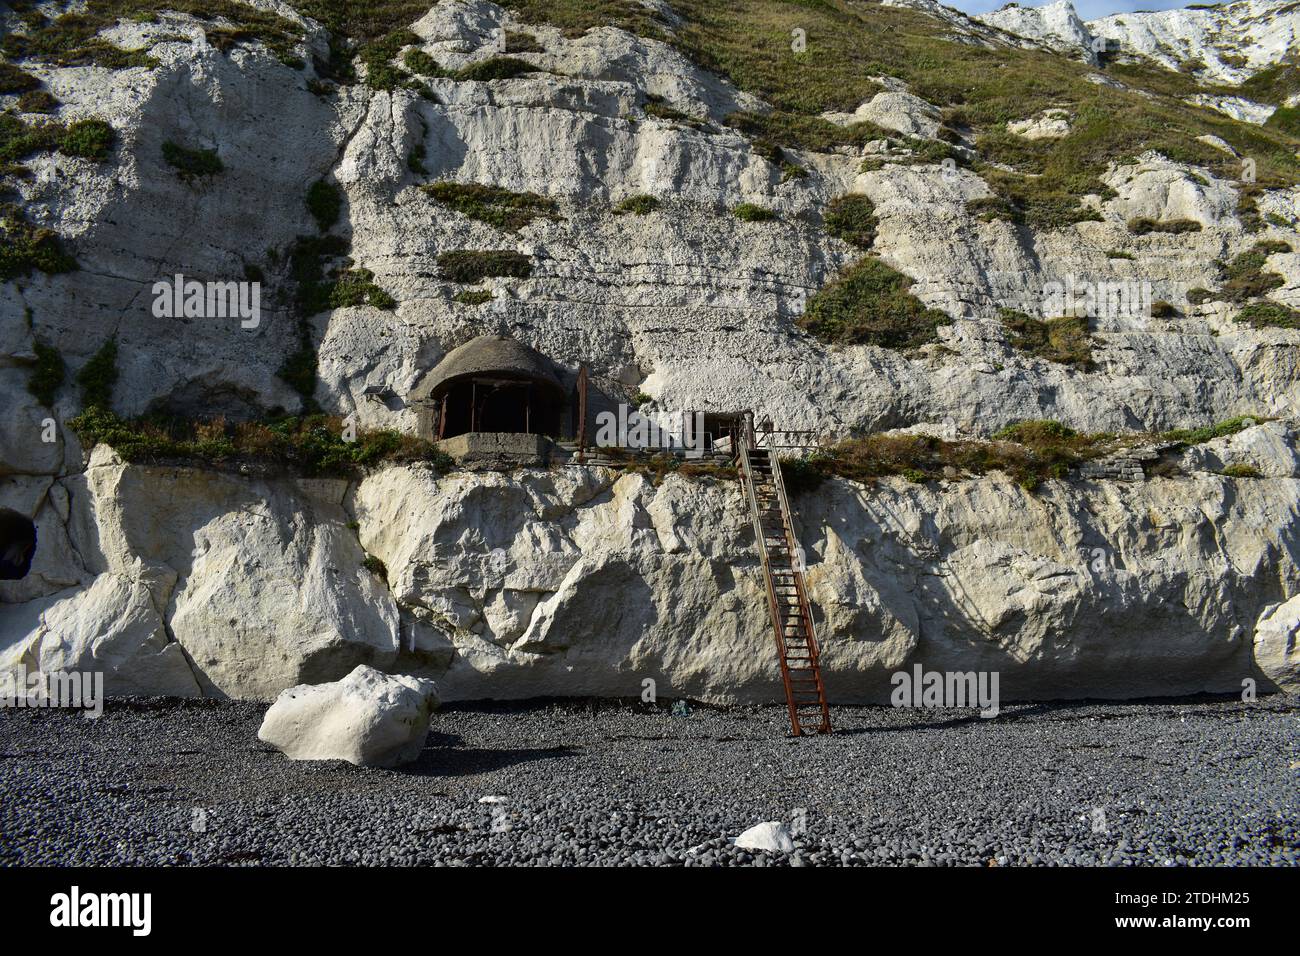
<point x="368" y="718"/>
<point x="771" y="836"/>
<point x="1277" y="634"/>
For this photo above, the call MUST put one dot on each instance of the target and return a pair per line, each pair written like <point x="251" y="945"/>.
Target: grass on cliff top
<point x="506" y="210"/>
<point x="313" y="445"/>
<point x="872" y="304"/>
<point x="750" y="43"/>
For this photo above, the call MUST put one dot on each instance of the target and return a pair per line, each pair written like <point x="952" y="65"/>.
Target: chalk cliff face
<point x="581" y="581"/>
<point x="1225" y="43"/>
<point x="184" y="581"/>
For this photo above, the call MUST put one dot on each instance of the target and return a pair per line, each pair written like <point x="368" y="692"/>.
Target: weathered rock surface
<point x="368" y="718"/>
<point x="240" y="588"/>
<point x="586" y="581"/>
<point x="1277" y="644"/>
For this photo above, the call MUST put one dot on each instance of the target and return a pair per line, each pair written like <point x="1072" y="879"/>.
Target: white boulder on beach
<point x="770" y="837"/>
<point x="368" y="718"/>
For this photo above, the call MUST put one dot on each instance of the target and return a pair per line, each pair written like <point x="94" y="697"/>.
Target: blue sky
<point x="1088" y="9"/>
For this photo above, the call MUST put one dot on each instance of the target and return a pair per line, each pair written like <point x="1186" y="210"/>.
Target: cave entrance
<point x="17" y="545"/>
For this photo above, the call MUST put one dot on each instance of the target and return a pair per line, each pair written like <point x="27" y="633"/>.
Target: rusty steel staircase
<point x="787" y="598"/>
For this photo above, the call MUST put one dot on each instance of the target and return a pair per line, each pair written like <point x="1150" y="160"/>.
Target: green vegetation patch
<point x="748" y="212"/>
<point x="91" y="139"/>
<point x="98" y="376"/>
<point x="324" y="202"/>
<point x="852" y="218"/>
<point x="473" y="297"/>
<point x="497" y="68"/>
<point x="641" y="205"/>
<point x="14" y="79"/>
<point x="312" y="445"/>
<point x="797" y="131"/>
<point x="378" y="54"/>
<point x="1064" y="340"/>
<point x="1243" y="277"/>
<point x="1141" y="226"/>
<point x="25" y="247"/>
<point x="471" y="266"/>
<point x="357" y="287"/>
<point x="71" y="39"/>
<point x="1241" y="470"/>
<point x="37" y="101"/>
<point x="871" y="304"/>
<point x="1199" y="436"/>
<point x="506" y="210"/>
<point x="1269" y="315"/>
<point x="1029" y="453"/>
<point x="191" y="163"/>
<point x="48" y="374"/>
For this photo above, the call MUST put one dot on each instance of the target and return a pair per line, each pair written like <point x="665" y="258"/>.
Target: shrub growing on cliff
<point x="311" y="445"/>
<point x="852" y="217"/>
<point x="506" y="210"/>
<point x="98" y="376"/>
<point x="637" y="205"/>
<point x="88" y="139"/>
<point x="378" y="54"/>
<point x="1198" y="436"/>
<point x="1028" y="453"/>
<point x="497" y="68"/>
<point x="748" y="212"/>
<point x="37" y="101"/>
<point x="24" y="247"/>
<point x="324" y="202"/>
<point x="357" y="287"/>
<point x="191" y="163"/>
<point x="1244" y="276"/>
<point x="471" y="266"/>
<point x="1142" y="226"/>
<point x="48" y="374"/>
<point x="16" y="80"/>
<point x="1064" y="340"/>
<point x="1266" y="315"/>
<point x="871" y="304"/>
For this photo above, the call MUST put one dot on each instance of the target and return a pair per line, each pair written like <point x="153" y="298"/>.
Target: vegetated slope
<point x="397" y="139"/>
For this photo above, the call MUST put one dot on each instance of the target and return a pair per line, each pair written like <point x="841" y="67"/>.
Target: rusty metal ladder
<point x="792" y="623"/>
